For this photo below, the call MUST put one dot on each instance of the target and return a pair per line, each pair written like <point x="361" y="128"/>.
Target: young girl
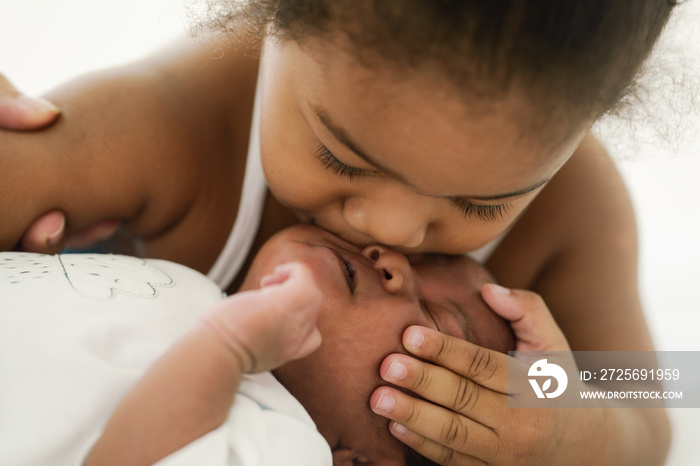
<point x="429" y="127"/>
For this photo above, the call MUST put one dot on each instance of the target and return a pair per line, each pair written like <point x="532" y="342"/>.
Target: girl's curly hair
<point x="586" y="52"/>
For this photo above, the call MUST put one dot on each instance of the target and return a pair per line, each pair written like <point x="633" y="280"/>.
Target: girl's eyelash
<point x="336" y="166"/>
<point x="483" y="212"/>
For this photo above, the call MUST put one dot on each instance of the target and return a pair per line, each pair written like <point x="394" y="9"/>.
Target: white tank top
<point x="482" y="254"/>
<point x="250" y="208"/>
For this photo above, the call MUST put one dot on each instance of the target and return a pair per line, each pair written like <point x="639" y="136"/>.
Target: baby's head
<point x="429" y="126"/>
<point x="370" y="296"/>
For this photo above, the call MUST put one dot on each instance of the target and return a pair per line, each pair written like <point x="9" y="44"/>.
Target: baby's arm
<point x="131" y="144"/>
<point x="190" y="390"/>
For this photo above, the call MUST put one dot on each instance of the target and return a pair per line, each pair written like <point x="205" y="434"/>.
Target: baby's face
<point x="380" y="157"/>
<point x="363" y="316"/>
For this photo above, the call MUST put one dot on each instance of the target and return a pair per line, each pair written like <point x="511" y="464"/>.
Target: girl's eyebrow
<point x="519" y="192"/>
<point x="342" y="137"/>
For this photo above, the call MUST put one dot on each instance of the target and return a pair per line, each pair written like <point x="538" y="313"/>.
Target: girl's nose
<point x="390" y="218"/>
<point x="397" y="275"/>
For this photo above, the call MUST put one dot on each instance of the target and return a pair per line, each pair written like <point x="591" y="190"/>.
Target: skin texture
<point x="574" y="244"/>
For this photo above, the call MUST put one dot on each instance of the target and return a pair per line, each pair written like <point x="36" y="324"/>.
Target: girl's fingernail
<point x="55" y="237"/>
<point x="385" y="403"/>
<point x="398" y="429"/>
<point x="396" y="371"/>
<point x="498" y="289"/>
<point x="36" y="104"/>
<point x="414" y="338"/>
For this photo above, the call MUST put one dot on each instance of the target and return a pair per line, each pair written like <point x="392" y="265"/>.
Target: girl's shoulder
<point x="583" y="210"/>
<point x="210" y="104"/>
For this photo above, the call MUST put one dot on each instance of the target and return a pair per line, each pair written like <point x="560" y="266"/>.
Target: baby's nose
<point x="396" y="271"/>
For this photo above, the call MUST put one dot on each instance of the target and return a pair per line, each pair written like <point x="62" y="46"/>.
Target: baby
<point x="78" y="331"/>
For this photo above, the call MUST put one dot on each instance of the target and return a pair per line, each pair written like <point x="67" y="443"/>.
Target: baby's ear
<point x="347" y="457"/>
<point x="343" y="457"/>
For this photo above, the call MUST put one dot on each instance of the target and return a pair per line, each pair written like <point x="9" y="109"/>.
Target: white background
<point x="44" y="42"/>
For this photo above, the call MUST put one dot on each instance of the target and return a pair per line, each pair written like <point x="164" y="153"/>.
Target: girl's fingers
<point x="445" y="388"/>
<point x="533" y="324"/>
<point x="18" y="111"/>
<point x="432" y="450"/>
<point x="435" y="423"/>
<point x="46" y="235"/>
<point x="486" y="367"/>
<point x="90" y="236"/>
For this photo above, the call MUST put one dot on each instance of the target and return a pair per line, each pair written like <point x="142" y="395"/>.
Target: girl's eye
<point x="336" y="166"/>
<point x="483" y="212"/>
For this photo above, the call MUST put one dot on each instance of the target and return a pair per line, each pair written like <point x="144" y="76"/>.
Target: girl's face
<point x="403" y="160"/>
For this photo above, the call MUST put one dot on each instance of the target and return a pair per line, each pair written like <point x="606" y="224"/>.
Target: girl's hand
<point x="464" y="418"/>
<point x="268" y="327"/>
<point x="47" y="234"/>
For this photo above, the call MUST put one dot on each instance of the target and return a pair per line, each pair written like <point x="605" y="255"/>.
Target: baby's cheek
<point x="494" y="332"/>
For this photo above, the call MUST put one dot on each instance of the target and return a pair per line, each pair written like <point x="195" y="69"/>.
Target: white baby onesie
<point x="78" y="330"/>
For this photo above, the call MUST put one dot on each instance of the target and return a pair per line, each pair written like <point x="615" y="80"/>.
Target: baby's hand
<point x="268" y="327"/>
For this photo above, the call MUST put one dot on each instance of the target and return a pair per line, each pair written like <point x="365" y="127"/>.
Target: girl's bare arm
<point x="133" y="144"/>
<point x="584" y="265"/>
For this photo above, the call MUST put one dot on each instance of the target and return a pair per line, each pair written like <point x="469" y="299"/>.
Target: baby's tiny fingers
<point x="297" y="287"/>
<point x="279" y="275"/>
